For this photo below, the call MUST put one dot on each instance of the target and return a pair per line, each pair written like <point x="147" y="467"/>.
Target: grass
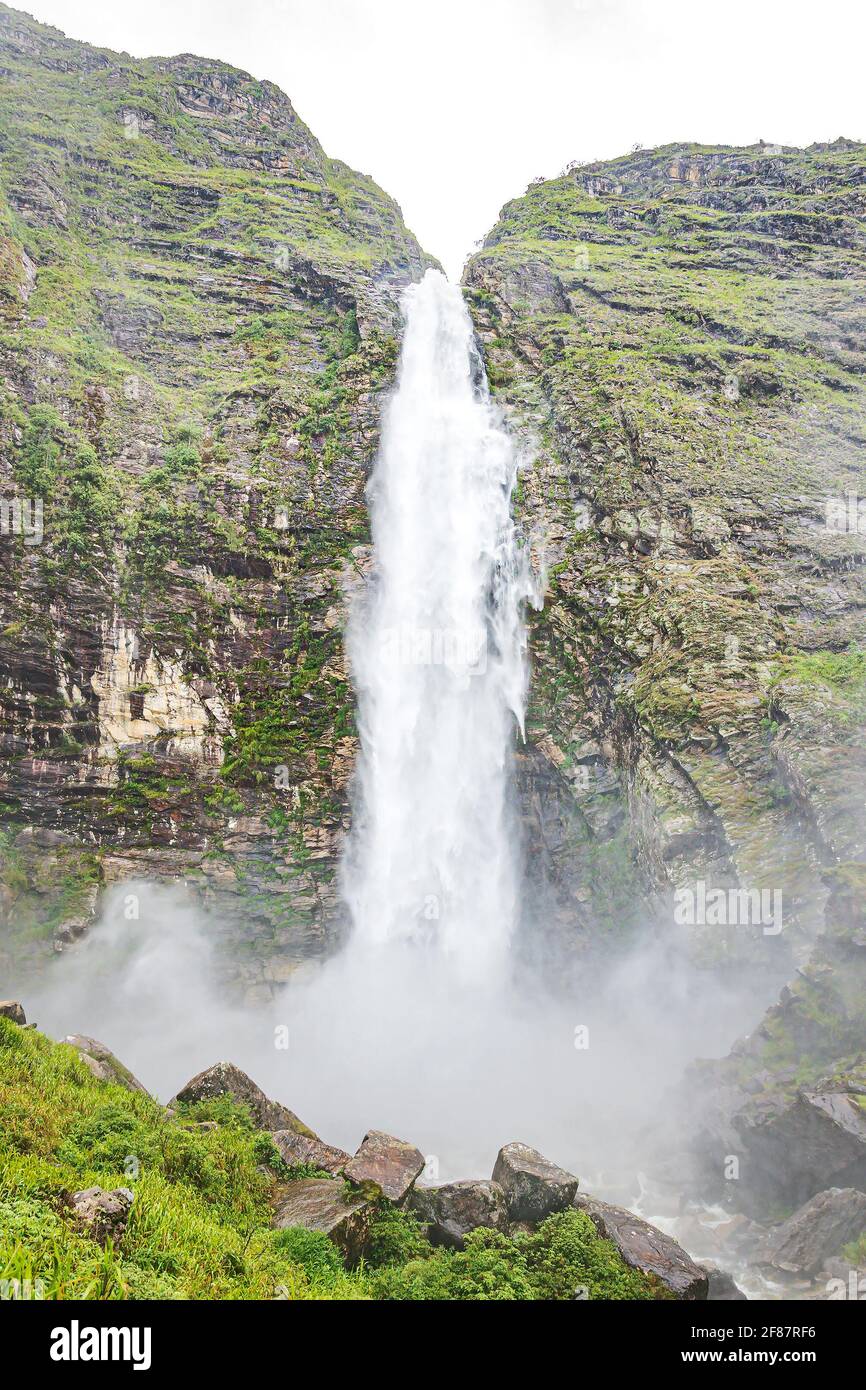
<point x="841" y="676"/>
<point x="200" y="1224"/>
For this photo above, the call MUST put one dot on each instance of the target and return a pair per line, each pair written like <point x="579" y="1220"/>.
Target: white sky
<point x="454" y="107"/>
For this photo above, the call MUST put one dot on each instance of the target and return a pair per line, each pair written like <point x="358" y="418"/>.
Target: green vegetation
<point x="38" y="463"/>
<point x="842" y="672"/>
<point x="205" y="1184"/>
<point x="194" y="334"/>
<point x="200" y="1223"/>
<point x="564" y="1259"/>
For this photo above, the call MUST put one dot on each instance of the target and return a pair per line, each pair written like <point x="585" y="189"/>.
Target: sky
<point x="454" y="107"/>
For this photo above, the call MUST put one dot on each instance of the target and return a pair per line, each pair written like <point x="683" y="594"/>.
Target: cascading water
<point x="438" y="657"/>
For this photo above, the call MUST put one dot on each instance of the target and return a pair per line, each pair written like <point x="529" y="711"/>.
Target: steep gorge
<point x="199" y="322"/>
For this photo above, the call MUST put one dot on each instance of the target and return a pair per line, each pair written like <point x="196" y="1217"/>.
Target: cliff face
<point x="682" y="334"/>
<point x="681" y="337"/>
<point x="198" y="317"/>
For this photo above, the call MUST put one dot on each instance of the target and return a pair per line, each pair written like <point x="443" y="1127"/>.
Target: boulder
<point x="817" y="1231"/>
<point x="323" y="1204"/>
<point x="102" y="1062"/>
<point x="817" y="1138"/>
<point x="645" y="1248"/>
<point x="295" y="1148"/>
<point x="225" y="1079"/>
<point x="450" y="1212"/>
<point x="793" y="1142"/>
<point x="840" y="1279"/>
<point x="10" y="1008"/>
<point x="721" y="1287"/>
<point x="104" y="1213"/>
<point x="534" y="1187"/>
<point x="385" y="1163"/>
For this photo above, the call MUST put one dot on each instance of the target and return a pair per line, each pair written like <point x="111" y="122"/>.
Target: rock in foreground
<point x="10" y="1008"/>
<point x="386" y="1163"/>
<point x="105" y="1214"/>
<point x="225" y="1079"/>
<point x="645" y="1248"/>
<point x="721" y="1286"/>
<point x="321" y="1204"/>
<point x="101" y="1061"/>
<point x="450" y="1212"/>
<point x="534" y="1187"/>
<point x="295" y="1149"/>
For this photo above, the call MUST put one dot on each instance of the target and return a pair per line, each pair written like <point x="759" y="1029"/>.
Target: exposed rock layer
<point x="198" y="316"/>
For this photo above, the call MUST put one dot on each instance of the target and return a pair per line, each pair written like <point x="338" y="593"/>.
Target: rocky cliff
<point x="199" y="317"/>
<point x="682" y="333"/>
<point x="199" y="313"/>
<point x="679" y="336"/>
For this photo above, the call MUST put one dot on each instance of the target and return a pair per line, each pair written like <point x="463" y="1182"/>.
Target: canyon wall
<point x="198" y="316"/>
<point x="680" y="338"/>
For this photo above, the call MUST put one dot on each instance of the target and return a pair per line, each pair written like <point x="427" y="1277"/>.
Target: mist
<point x="392" y="1038"/>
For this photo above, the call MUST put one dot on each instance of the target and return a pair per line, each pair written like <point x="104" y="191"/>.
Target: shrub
<point x="490" y="1268"/>
<point x="566" y="1254"/>
<point x="312" y="1250"/>
<point x="394" y="1238"/>
<point x="39" y="461"/>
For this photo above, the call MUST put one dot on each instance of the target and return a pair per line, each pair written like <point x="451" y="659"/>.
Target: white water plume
<point x="438" y="657"/>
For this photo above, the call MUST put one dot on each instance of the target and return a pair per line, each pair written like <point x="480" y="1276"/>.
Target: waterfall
<point x="420" y="1026"/>
<point x="437" y="650"/>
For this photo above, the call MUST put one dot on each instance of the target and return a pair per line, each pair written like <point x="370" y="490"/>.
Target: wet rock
<point x="102" y="1062"/>
<point x="129" y="325"/>
<point x="225" y="1079"/>
<point x="322" y="1204"/>
<point x="839" y="1279"/>
<point x="801" y="1144"/>
<point x="104" y="1213"/>
<point x="41" y="837"/>
<point x="533" y="282"/>
<point x="740" y="1234"/>
<point x="792" y="1142"/>
<point x="386" y="1163"/>
<point x="645" y="1248"/>
<point x="450" y="1212"/>
<point x="295" y="1149"/>
<point x="76" y="923"/>
<point x="820" y="1229"/>
<point x="534" y="1187"/>
<point x="721" y="1287"/>
<point x="10" y="1008"/>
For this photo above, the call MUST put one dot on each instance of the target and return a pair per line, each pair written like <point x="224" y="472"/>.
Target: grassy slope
<point x="200" y="1222"/>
